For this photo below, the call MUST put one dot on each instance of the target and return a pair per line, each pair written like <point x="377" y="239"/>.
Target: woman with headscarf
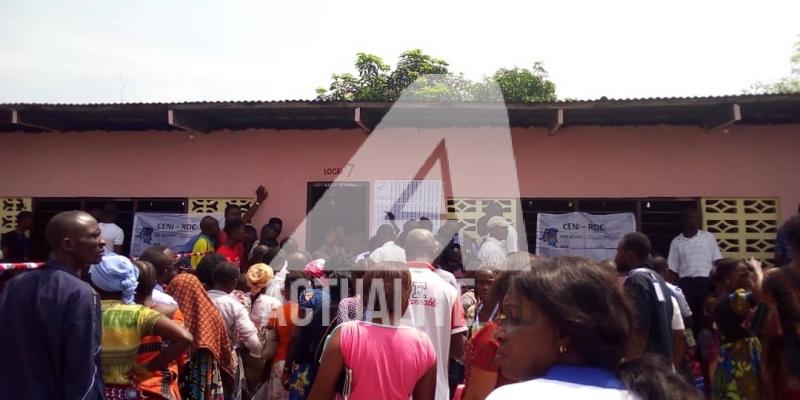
<point x="124" y="325"/>
<point x="258" y="278"/>
<point x="211" y="367"/>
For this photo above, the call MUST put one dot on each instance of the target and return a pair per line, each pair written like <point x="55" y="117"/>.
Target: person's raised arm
<point x="331" y="366"/>
<point x="179" y="340"/>
<point x="261" y="196"/>
<point x="426" y="386"/>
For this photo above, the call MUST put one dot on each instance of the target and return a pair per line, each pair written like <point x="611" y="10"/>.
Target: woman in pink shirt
<point x="379" y="358"/>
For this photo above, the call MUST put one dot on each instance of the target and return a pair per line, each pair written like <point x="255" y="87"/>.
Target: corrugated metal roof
<point x="316" y="101"/>
<point x="316" y="114"/>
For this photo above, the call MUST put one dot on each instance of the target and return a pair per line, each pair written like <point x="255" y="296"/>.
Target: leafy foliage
<point x="376" y="81"/>
<point x="788" y="84"/>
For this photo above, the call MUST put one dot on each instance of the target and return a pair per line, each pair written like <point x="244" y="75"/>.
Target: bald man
<point x="50" y="319"/>
<point x="434" y="305"/>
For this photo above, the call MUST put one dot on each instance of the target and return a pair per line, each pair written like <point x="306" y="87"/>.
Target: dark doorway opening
<point x="346" y="205"/>
<point x="46" y="208"/>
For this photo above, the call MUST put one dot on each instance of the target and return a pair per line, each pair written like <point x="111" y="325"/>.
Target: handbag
<point x="269" y="338"/>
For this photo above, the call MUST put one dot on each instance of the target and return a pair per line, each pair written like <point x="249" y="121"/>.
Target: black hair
<point x="270" y="255"/>
<point x="792" y="229"/>
<point x="662" y="265"/>
<point x="152" y="255"/>
<point x="250" y="228"/>
<point x="520" y="260"/>
<point x="24" y="214"/>
<point x="339" y="260"/>
<point x="385" y="274"/>
<point x="205" y="268"/>
<point x="147" y="279"/>
<point x="231" y="226"/>
<point x="242" y="283"/>
<point x="226" y="273"/>
<point x="500" y="286"/>
<point x="275" y="220"/>
<point x="638" y="243"/>
<point x="291" y="278"/>
<point x="651" y="377"/>
<point x="269" y="226"/>
<point x="231" y="207"/>
<point x="587" y="305"/>
<point x="341" y="278"/>
<point x="724" y="267"/>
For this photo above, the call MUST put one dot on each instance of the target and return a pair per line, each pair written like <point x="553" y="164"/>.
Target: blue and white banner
<point x="582" y="234"/>
<point x="176" y="231"/>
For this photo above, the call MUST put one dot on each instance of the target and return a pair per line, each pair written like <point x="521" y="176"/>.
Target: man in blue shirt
<point x="650" y="297"/>
<point x="50" y="319"/>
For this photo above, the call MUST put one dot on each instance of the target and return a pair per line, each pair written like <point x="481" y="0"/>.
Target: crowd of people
<point x="406" y="313"/>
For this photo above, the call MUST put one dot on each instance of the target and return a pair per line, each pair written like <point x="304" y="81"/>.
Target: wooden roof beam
<point x="16" y="118"/>
<point x="188" y="121"/>
<point x="556" y="121"/>
<point x="722" y="117"/>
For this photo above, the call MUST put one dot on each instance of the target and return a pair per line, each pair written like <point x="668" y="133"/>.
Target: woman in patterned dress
<point x="737" y="373"/>
<point x="211" y="367"/>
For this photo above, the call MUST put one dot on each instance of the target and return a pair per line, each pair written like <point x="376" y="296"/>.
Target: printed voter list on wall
<point x="175" y="231"/>
<point x="582" y="234"/>
<point x="406" y="199"/>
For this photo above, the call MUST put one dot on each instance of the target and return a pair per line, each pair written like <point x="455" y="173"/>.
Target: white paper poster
<point x="406" y="199"/>
<point x="175" y="231"/>
<point x="582" y="234"/>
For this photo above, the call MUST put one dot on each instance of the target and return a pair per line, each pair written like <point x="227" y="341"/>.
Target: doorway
<point x="336" y="204"/>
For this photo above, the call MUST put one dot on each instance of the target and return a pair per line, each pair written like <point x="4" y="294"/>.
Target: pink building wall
<point x="578" y="162"/>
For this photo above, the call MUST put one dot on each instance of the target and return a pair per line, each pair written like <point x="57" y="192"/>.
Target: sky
<point x="168" y="50"/>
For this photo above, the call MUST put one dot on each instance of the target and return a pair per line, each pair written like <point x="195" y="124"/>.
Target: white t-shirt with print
<point x="435" y="308"/>
<point x="112" y="234"/>
<point x="694" y="256"/>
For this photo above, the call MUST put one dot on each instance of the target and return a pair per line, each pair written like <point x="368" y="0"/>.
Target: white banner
<point x="175" y="231"/>
<point x="582" y="234"/>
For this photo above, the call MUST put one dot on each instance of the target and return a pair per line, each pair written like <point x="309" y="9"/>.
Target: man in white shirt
<point x="434" y="306"/>
<point x="110" y="232"/>
<point x="493" y="250"/>
<point x="691" y="256"/>
<point x="494" y="209"/>
<point x="237" y="320"/>
<point x="163" y="260"/>
<point x="388" y="250"/>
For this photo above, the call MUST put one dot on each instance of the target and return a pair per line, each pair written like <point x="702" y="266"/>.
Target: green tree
<point x="521" y="85"/>
<point x="376" y="81"/>
<point x="788" y="84"/>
